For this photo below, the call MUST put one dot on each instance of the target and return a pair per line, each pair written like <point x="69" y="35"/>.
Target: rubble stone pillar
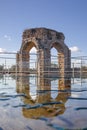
<point x="44" y="62"/>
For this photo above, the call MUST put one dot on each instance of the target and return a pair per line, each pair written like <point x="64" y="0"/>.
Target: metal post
<point x="81" y="69"/>
<point x="73" y="73"/>
<point x="81" y="72"/>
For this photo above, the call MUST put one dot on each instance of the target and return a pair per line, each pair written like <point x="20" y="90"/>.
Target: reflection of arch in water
<point x="23" y="85"/>
<point x="43" y="40"/>
<point x="44" y="105"/>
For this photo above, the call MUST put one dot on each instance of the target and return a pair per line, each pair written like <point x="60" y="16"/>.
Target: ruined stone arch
<point x="28" y="44"/>
<point x="43" y="40"/>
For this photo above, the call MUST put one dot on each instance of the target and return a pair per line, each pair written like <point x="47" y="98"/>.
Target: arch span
<point x="43" y="40"/>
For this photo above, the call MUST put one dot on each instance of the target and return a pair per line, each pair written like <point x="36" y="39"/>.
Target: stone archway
<point x="43" y="40"/>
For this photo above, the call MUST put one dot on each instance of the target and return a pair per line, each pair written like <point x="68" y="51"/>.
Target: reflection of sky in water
<point x="7" y="84"/>
<point x="33" y="88"/>
<point x="54" y="87"/>
<point x="79" y="87"/>
<point x="15" y="106"/>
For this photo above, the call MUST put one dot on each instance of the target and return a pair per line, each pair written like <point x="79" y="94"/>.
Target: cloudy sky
<point x="67" y="16"/>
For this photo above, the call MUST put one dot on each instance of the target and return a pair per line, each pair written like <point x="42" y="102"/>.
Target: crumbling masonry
<point x="43" y="40"/>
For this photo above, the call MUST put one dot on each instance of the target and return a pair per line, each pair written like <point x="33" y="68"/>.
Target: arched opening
<point x="33" y="59"/>
<point x="54" y="58"/>
<point x="28" y="59"/>
<point x="54" y="69"/>
<point x="62" y="53"/>
<point x="57" y="59"/>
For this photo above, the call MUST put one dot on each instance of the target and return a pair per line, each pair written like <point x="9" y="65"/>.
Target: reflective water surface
<point x="34" y="103"/>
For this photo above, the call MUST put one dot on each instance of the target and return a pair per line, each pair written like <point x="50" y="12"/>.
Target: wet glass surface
<point x="34" y="103"/>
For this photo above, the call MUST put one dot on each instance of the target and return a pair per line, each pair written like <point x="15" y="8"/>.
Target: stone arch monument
<point x="43" y="40"/>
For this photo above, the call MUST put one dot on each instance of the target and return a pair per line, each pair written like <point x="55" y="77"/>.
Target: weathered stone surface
<point x="44" y="40"/>
<point x="42" y="33"/>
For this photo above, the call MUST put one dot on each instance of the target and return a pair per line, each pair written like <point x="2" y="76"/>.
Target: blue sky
<point x="67" y="16"/>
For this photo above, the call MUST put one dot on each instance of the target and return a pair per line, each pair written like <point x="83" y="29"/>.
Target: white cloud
<point x="14" y="51"/>
<point x="33" y="50"/>
<point x="74" y="95"/>
<point x="2" y="50"/>
<point x="74" y="49"/>
<point x="7" y="37"/>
